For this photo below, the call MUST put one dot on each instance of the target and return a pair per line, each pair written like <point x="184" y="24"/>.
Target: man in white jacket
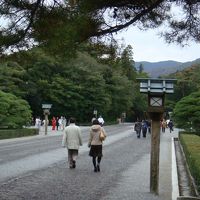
<point x="101" y="120"/>
<point x="72" y="140"/>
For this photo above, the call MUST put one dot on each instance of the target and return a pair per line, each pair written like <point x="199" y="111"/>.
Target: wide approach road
<point x="36" y="168"/>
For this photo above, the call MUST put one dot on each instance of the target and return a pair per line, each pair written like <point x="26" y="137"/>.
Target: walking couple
<point x="72" y="140"/>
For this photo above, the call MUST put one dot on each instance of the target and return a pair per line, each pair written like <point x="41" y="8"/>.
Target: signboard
<point x="95" y="112"/>
<point x="46" y="106"/>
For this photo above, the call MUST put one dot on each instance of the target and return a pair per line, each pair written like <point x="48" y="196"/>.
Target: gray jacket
<point x="72" y="137"/>
<point x="138" y="126"/>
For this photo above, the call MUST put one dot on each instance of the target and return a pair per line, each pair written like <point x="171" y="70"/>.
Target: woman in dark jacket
<point x="137" y="128"/>
<point x="170" y="125"/>
<point x="95" y="144"/>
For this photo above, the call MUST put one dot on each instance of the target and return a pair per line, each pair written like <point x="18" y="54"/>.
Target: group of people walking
<point x="166" y="124"/>
<point x="58" y="123"/>
<point x="144" y="126"/>
<point x="72" y="140"/>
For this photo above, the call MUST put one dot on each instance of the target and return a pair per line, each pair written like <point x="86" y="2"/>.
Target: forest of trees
<point x="186" y="99"/>
<point x="75" y="87"/>
<point x="100" y="77"/>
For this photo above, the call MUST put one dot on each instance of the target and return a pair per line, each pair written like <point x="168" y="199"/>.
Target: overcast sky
<point x="148" y="46"/>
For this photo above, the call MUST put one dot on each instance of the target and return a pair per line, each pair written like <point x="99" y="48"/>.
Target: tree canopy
<point x="77" y="87"/>
<point x="185" y="98"/>
<point x="62" y="25"/>
<point x="14" y="111"/>
<point x="187" y="112"/>
<point x="188" y="81"/>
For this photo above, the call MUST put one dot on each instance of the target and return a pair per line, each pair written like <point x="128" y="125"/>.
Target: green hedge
<point x="189" y="132"/>
<point x="191" y="147"/>
<point x="14" y="133"/>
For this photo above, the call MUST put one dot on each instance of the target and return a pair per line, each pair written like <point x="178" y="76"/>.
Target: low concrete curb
<point x="188" y="198"/>
<point x="175" y="188"/>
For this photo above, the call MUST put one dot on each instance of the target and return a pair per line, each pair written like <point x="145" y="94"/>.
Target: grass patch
<point x="191" y="147"/>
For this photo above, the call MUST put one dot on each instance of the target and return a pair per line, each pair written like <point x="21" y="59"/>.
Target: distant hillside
<point x="156" y="69"/>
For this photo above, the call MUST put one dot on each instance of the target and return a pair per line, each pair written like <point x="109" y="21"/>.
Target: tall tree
<point x="140" y="68"/>
<point x="127" y="64"/>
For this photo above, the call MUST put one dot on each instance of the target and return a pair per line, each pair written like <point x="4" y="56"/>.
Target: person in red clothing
<point x="53" y="121"/>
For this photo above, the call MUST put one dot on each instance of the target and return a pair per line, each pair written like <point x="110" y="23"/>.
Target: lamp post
<point x="123" y="117"/>
<point x="46" y="108"/>
<point x="156" y="90"/>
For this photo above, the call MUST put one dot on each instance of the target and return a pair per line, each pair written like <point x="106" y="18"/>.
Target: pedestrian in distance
<point x="149" y="126"/>
<point x="137" y="128"/>
<point x="95" y="144"/>
<point x="167" y="122"/>
<point x="38" y="122"/>
<point x="53" y="122"/>
<point x="144" y="128"/>
<point x="171" y="126"/>
<point x="163" y="125"/>
<point x="93" y="118"/>
<point x="57" y="123"/>
<point x="64" y="123"/>
<point x="101" y="120"/>
<point x="72" y="140"/>
<point x="60" y="123"/>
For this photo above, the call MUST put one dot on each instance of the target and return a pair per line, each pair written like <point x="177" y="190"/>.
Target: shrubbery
<point x="14" y="111"/>
<point x="187" y="112"/>
<point x="6" y="133"/>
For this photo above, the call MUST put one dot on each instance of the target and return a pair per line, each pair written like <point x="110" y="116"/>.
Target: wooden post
<point x="46" y="113"/>
<point x="155" y="152"/>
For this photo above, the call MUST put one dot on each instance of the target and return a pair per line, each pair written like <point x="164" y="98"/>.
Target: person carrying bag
<point x="96" y="138"/>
